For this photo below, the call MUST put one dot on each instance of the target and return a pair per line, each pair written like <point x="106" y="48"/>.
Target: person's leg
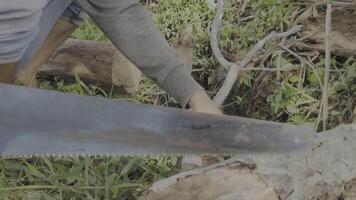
<point x="18" y="27"/>
<point x="7" y="72"/>
<point x="52" y="32"/>
<point x="59" y="33"/>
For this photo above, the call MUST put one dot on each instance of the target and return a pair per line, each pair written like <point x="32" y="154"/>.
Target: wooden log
<point x="101" y="63"/>
<point x="94" y="63"/>
<point x="234" y="181"/>
<point x="343" y="33"/>
<point x="326" y="171"/>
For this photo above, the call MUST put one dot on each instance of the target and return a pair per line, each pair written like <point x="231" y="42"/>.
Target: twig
<point x="327" y="66"/>
<point x="303" y="60"/>
<point x="244" y="6"/>
<point x="247" y="18"/>
<point x="283" y="69"/>
<point x="234" y="68"/>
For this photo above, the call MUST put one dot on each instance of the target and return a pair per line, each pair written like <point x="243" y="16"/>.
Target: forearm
<point x="133" y="32"/>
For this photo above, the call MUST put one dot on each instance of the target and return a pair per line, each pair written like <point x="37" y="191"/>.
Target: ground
<point x="292" y="96"/>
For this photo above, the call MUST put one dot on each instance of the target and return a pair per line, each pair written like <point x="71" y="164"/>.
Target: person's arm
<point x="131" y="29"/>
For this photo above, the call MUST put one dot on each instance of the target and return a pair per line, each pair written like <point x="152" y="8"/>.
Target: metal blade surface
<point x="42" y="122"/>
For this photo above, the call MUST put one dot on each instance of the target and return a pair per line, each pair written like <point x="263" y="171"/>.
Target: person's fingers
<point x="200" y="102"/>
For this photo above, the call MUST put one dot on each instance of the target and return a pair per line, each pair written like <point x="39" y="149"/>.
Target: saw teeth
<point x="108" y="155"/>
<point x="261" y="155"/>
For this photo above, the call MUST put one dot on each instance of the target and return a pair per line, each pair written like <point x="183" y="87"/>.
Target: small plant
<point x="81" y="178"/>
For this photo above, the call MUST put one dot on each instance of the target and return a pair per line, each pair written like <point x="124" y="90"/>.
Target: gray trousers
<point x="64" y="9"/>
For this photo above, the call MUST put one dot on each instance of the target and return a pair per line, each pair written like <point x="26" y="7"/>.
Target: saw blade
<point x="42" y="122"/>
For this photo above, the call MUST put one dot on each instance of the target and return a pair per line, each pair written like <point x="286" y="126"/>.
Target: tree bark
<point x="343" y="33"/>
<point x="94" y="63"/>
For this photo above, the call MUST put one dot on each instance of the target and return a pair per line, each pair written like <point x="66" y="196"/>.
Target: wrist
<point x="194" y="100"/>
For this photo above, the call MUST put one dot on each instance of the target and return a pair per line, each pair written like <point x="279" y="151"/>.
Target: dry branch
<point x="234" y="68"/>
<point x="327" y="66"/>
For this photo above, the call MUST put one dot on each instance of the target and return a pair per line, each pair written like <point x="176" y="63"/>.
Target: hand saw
<point x="35" y="122"/>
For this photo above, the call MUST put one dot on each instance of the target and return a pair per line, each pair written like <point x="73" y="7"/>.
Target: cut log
<point x="326" y="171"/>
<point x="101" y="63"/>
<point x="94" y="63"/>
<point x="234" y="181"/>
<point x="343" y="33"/>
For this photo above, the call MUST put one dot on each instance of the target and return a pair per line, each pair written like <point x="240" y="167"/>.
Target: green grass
<point x="292" y="96"/>
<point x="81" y="178"/>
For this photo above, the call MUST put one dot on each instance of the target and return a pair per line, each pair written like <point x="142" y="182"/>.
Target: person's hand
<point x="200" y="102"/>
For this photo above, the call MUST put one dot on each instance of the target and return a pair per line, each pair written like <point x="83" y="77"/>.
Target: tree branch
<point x="325" y="103"/>
<point x="234" y="68"/>
<point x="214" y="40"/>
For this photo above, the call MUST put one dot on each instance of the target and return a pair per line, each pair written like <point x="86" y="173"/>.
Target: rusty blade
<point x="42" y="122"/>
